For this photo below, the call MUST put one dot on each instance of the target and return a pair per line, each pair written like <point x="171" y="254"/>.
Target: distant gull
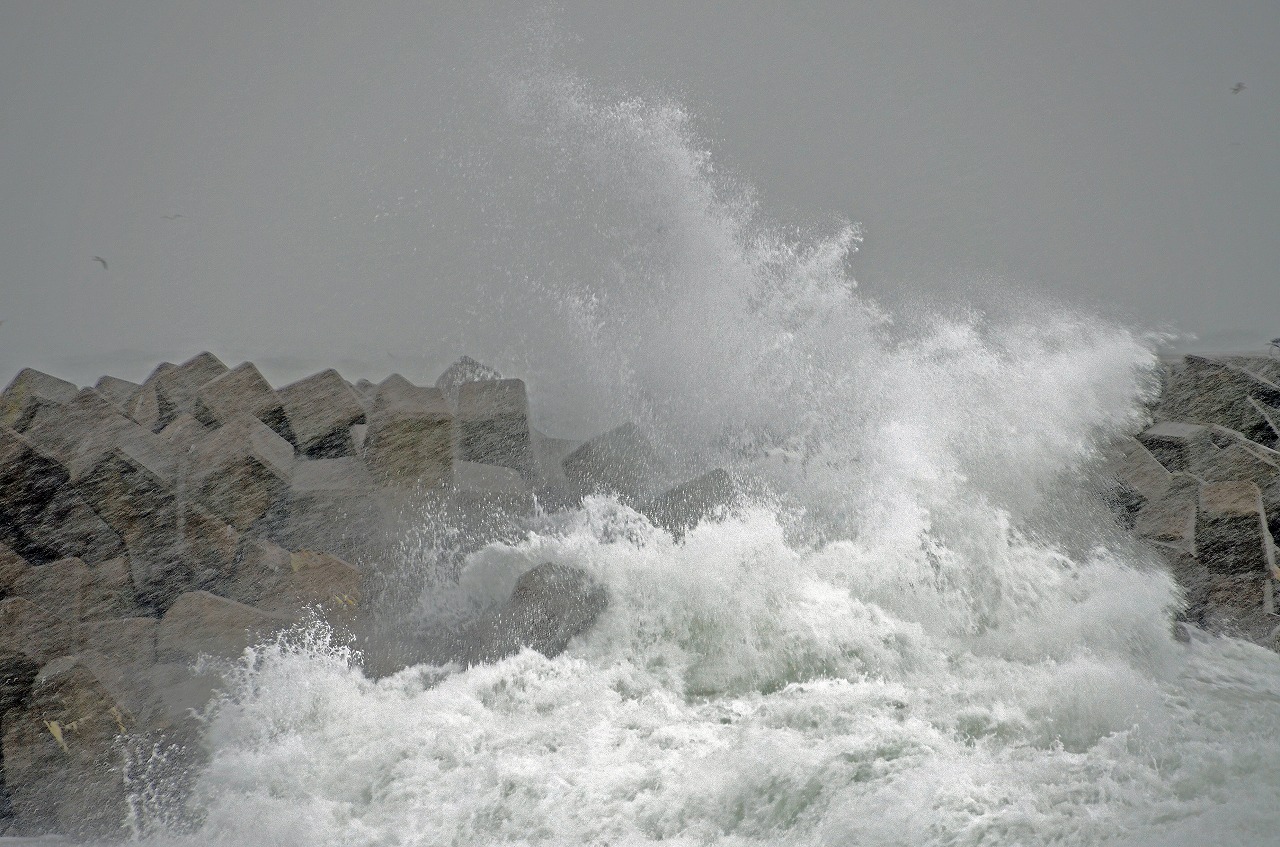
<point x="171" y="217"/>
<point x="1237" y="88"/>
<point x="101" y="261"/>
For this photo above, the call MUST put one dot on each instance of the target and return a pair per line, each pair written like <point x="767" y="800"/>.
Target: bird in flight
<point x="101" y="261"/>
<point x="173" y="217"/>
<point x="1237" y="88"/>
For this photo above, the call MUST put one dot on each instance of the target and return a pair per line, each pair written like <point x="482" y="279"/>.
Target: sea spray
<point x="888" y="643"/>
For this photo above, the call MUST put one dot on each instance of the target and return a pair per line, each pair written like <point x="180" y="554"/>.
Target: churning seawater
<point x="917" y="629"/>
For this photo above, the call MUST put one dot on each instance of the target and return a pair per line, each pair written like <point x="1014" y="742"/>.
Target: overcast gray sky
<point x="318" y="156"/>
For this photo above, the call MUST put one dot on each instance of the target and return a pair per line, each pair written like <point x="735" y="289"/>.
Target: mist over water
<point x="915" y="631"/>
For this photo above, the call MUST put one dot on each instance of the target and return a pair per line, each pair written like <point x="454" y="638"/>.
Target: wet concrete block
<point x="550" y="606"/>
<point x="12" y="566"/>
<point x="177" y="386"/>
<point x="128" y="642"/>
<point x="331" y="506"/>
<point x="241" y="470"/>
<point x="58" y="588"/>
<point x="621" y="462"/>
<point x="1179" y="446"/>
<point x="143" y="407"/>
<point x="131" y="484"/>
<point x="116" y="391"/>
<point x="200" y="623"/>
<point x="69" y="527"/>
<point x="242" y="391"/>
<point x="685" y="506"/>
<point x="29" y="478"/>
<point x="183" y="433"/>
<point x="1171" y="518"/>
<point x="28" y="629"/>
<point x="29" y="392"/>
<point x="17" y="673"/>
<point x="410" y="436"/>
<point x="321" y="410"/>
<point x="313" y="580"/>
<point x="63" y="768"/>
<point x="1231" y="530"/>
<point x="1215" y="391"/>
<point x="461" y="372"/>
<point x="78" y="433"/>
<point x="491" y="488"/>
<point x="1237" y="462"/>
<point x="492" y="424"/>
<point x="184" y="548"/>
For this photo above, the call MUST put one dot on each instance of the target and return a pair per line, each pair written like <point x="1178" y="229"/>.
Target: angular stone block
<point x="184" y="548"/>
<point x="110" y="592"/>
<point x="183" y="433"/>
<point x="12" y="566"/>
<point x="1171" y="518"/>
<point x="201" y="623"/>
<point x="260" y="566"/>
<point x="29" y="478"/>
<point x="551" y="605"/>
<point x="116" y="391"/>
<point x="331" y="506"/>
<point x="176" y="386"/>
<point x="58" y="588"/>
<point x="131" y="484"/>
<point x="128" y="642"/>
<point x="492" y="424"/>
<point x="685" y="506"/>
<point x="321" y="410"/>
<point x="17" y="673"/>
<point x="1179" y="446"/>
<point x="1231" y="530"/>
<point x="81" y="431"/>
<point x="63" y="768"/>
<point x="313" y="580"/>
<point x="241" y="470"/>
<point x="1237" y="462"/>
<point x="460" y="372"/>
<point x="69" y="527"/>
<point x="143" y="406"/>
<point x="242" y="391"/>
<point x="29" y="392"/>
<point x="491" y="488"/>
<point x="1214" y="391"/>
<point x="410" y="436"/>
<point x="28" y="629"/>
<point x="621" y="462"/>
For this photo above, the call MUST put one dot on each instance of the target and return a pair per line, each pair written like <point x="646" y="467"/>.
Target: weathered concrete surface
<point x="321" y="410"/>
<point x="116" y="391"/>
<point x="242" y="391"/>
<point x="185" y="548"/>
<point x="29" y="392"/>
<point x="1213" y="391"/>
<point x="1231" y="529"/>
<point x="241" y="470"/>
<point x="200" y="623"/>
<point x="132" y="486"/>
<point x="1179" y="446"/>
<point x="1171" y="518"/>
<point x="550" y="606"/>
<point x="465" y="370"/>
<point x="28" y="629"/>
<point x="177" y="386"/>
<point x="685" y="506"/>
<point x="68" y="527"/>
<point x="410" y="435"/>
<point x="621" y="462"/>
<point x="493" y="424"/>
<point x="29" y="479"/>
<point x="62" y="768"/>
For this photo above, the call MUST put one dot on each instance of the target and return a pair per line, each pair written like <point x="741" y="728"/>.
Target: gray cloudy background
<point x="319" y="156"/>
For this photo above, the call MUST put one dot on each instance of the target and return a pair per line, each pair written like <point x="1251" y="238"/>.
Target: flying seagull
<point x="171" y="217"/>
<point x="1237" y="88"/>
<point x="101" y="261"/>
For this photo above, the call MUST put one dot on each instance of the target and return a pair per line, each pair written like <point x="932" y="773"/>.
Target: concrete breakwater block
<point x="29" y="392"/>
<point x="63" y="770"/>
<point x="621" y="462"/>
<point x="321" y="410"/>
<point x="1231" y="529"/>
<point x="685" y="506"/>
<point x="240" y="470"/>
<point x="176" y="387"/>
<point x="493" y="424"/>
<point x="241" y="391"/>
<point x="116" y="391"/>
<point x="202" y="623"/>
<point x="550" y="606"/>
<point x="409" y="436"/>
<point x="1216" y="391"/>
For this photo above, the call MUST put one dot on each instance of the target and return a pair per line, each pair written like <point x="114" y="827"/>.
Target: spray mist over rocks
<point x="915" y="631"/>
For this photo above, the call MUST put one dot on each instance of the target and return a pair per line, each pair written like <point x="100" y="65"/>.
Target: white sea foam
<point x="910" y="634"/>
